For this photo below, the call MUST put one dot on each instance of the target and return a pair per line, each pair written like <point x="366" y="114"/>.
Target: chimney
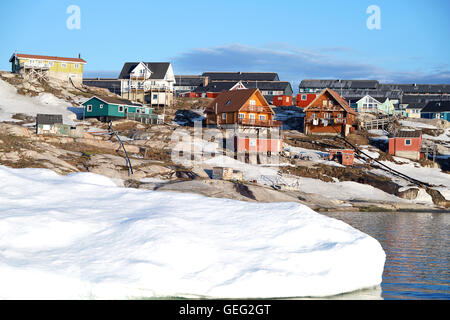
<point x="205" y="81"/>
<point x="79" y="56"/>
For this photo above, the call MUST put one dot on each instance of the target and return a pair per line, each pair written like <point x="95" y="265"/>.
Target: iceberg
<point x="82" y="237"/>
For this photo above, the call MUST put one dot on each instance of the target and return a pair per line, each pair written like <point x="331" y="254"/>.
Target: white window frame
<point x="251" y="116"/>
<point x="408" y="142"/>
<point x="304" y="97"/>
<point x="77" y="65"/>
<point x="252" y="102"/>
<point x="89" y="108"/>
<point x="120" y="109"/>
<point x="241" y="115"/>
<point x="63" y="65"/>
<point x="326" y="115"/>
<point x="224" y="116"/>
<point x="262" y="117"/>
<point x="101" y="106"/>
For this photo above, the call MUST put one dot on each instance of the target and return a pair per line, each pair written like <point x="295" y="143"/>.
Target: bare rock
<point x="409" y="194"/>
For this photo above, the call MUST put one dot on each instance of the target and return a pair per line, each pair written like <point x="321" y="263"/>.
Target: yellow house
<point x="37" y="66"/>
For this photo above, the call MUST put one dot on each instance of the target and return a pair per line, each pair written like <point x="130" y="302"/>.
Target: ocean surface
<point x="417" y="253"/>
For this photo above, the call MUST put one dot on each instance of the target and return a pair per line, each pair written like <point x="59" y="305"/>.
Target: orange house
<point x="329" y="113"/>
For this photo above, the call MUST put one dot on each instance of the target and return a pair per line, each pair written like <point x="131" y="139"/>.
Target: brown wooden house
<point x="246" y="107"/>
<point x="329" y="113"/>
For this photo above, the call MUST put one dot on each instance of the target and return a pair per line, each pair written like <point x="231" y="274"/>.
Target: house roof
<point x="188" y="80"/>
<point x="409" y="134"/>
<point x="232" y="101"/>
<point x="52" y="58"/>
<point x="339" y="84"/>
<point x="158" y="69"/>
<point x="245" y="76"/>
<point x="49" y="118"/>
<point x="219" y="86"/>
<point x="417" y="105"/>
<point x="114" y="100"/>
<point x="337" y="97"/>
<point x="437" y="106"/>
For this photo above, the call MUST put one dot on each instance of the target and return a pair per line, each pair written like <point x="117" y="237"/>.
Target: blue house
<point x="436" y="110"/>
<point x="110" y="108"/>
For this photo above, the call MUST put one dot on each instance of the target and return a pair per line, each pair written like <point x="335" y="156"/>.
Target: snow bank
<point x="412" y="169"/>
<point x="11" y="103"/>
<point x="417" y="124"/>
<point x="81" y="237"/>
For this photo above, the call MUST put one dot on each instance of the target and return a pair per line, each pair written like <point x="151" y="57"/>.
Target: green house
<point x="110" y="108"/>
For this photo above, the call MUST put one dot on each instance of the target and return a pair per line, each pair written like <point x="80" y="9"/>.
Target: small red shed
<point x="343" y="156"/>
<point x="406" y="144"/>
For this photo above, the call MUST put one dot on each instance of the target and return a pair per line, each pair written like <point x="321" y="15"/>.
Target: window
<point x="76" y="65"/>
<point x="120" y="108"/>
<point x="51" y="63"/>
<point x="224" y="116"/>
<point x="340" y="115"/>
<point x="228" y="102"/>
<point x="63" y="65"/>
<point x="251" y="116"/>
<point x="326" y="115"/>
<point x="325" y="102"/>
<point x="280" y="98"/>
<point x="407" y="142"/>
<point x="89" y="108"/>
<point x="252" y="102"/>
<point x="304" y="97"/>
<point x="101" y="106"/>
<point x="241" y="115"/>
<point x="155" y="96"/>
<point x="262" y="117"/>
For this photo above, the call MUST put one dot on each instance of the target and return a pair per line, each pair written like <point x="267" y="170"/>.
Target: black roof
<point x="188" y="80"/>
<point x="48" y="118"/>
<point x="437" y="106"/>
<point x="245" y="76"/>
<point x="158" y="69"/>
<point x="337" y="84"/>
<point x="422" y="88"/>
<point x="408" y="134"/>
<point x="219" y="86"/>
<point x="216" y="86"/>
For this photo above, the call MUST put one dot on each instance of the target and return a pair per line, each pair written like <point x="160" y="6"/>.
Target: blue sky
<point x="298" y="39"/>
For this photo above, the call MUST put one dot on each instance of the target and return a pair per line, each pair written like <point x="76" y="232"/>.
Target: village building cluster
<point x="243" y="101"/>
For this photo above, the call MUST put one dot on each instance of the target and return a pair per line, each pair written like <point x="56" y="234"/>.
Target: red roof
<point x="33" y="56"/>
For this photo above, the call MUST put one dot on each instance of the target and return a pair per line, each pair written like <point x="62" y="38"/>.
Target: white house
<point x="148" y="82"/>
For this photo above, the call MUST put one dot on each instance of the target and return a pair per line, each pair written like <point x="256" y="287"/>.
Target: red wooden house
<point x="282" y="100"/>
<point x="329" y="114"/>
<point x="252" y="118"/>
<point x="304" y="99"/>
<point x="406" y="144"/>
